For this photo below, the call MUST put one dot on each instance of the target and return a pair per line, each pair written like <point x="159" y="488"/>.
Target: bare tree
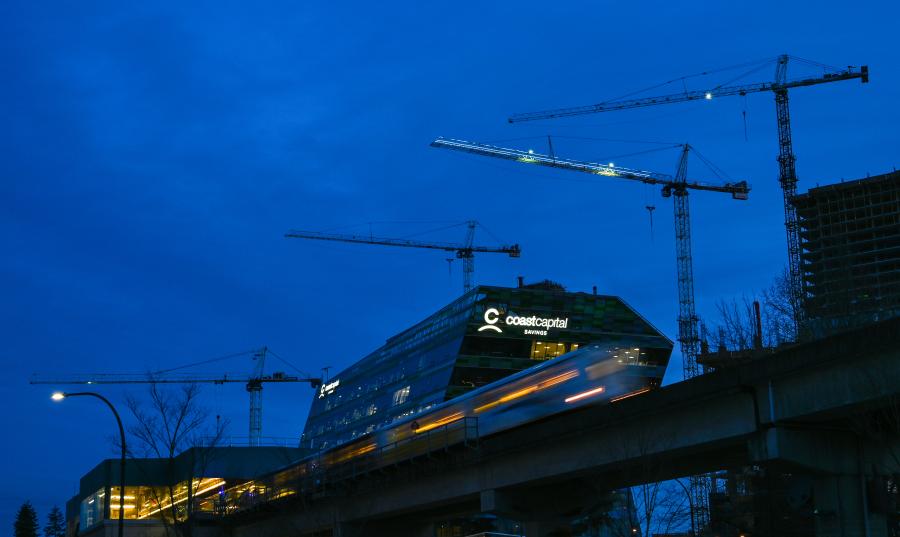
<point x="655" y="505"/>
<point x="737" y="328"/>
<point x="662" y="507"/>
<point x="780" y="308"/>
<point x="170" y="422"/>
<point x="738" y="324"/>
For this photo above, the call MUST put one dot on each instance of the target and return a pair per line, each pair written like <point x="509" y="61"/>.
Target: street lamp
<point x="690" y="504"/>
<point x="59" y="396"/>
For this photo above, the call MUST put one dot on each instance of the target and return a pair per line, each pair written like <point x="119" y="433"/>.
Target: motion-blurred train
<point x="594" y="374"/>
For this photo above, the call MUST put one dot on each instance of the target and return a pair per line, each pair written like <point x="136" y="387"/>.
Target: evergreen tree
<point x="26" y="524"/>
<point x="56" y="524"/>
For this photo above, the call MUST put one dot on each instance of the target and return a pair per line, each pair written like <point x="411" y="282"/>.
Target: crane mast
<point x="787" y="173"/>
<point x="465" y="251"/>
<point x="254" y="388"/>
<point x="467" y="257"/>
<point x="688" y="323"/>
<point x="787" y="177"/>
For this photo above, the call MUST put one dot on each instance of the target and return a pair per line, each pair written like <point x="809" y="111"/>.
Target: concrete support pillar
<point x="841" y="508"/>
<point x="840" y="464"/>
<point x="498" y="503"/>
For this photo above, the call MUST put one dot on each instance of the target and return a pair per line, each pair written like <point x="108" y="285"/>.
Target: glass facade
<point x="485" y="335"/>
<point x="147" y="502"/>
<point x="93" y="508"/>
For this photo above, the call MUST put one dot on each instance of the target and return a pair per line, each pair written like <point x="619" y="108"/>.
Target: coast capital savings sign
<point x="532" y="325"/>
<point x="328" y="389"/>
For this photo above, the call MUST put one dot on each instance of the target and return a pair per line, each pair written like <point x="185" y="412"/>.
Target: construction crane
<point x="465" y="251"/>
<point x="786" y="159"/>
<point x="253" y="383"/>
<point x="677" y="188"/>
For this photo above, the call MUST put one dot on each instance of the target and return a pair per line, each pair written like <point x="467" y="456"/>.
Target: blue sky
<point x="154" y="154"/>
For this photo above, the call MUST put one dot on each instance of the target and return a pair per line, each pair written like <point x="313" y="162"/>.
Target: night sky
<point x="153" y="156"/>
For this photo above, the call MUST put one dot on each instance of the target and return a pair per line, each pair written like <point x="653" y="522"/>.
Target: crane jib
<point x="738" y="190"/>
<point x="720" y="91"/>
<point x="461" y="250"/>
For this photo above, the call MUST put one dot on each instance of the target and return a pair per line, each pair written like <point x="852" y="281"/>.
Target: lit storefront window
<point x="143" y="502"/>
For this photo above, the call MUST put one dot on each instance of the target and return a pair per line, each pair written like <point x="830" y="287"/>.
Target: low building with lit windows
<point x="487" y="334"/>
<point x="157" y="491"/>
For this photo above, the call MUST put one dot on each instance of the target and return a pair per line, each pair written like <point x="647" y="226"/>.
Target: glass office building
<point x="485" y="335"/>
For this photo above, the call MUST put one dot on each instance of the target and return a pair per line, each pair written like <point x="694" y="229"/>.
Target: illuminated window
<point x="546" y="350"/>
<point x="144" y="502"/>
<point x="401" y="395"/>
<point x="92" y="509"/>
<point x="630" y="356"/>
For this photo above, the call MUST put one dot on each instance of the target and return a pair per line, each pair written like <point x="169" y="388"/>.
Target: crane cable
<point x="695" y="75"/>
<point x="586" y="138"/>
<point x="717" y="171"/>
<point x="211" y="360"/>
<point x="292" y="366"/>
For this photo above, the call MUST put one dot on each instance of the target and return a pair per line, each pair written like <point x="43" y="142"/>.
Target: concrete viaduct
<point x="805" y="408"/>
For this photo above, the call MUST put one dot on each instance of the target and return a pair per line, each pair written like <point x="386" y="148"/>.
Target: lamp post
<point x="59" y="396"/>
<point x="690" y="504"/>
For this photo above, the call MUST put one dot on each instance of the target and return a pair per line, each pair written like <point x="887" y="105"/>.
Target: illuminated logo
<point x="491" y="316"/>
<point x="327" y="389"/>
<point x="531" y="325"/>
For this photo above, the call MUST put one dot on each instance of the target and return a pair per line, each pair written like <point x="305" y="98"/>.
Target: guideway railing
<point x="440" y="439"/>
<point x="317" y="475"/>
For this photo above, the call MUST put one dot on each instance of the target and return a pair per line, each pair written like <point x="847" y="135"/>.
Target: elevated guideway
<point x="805" y="409"/>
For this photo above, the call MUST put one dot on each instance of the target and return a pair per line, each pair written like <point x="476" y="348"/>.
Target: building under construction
<point x="850" y="236"/>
